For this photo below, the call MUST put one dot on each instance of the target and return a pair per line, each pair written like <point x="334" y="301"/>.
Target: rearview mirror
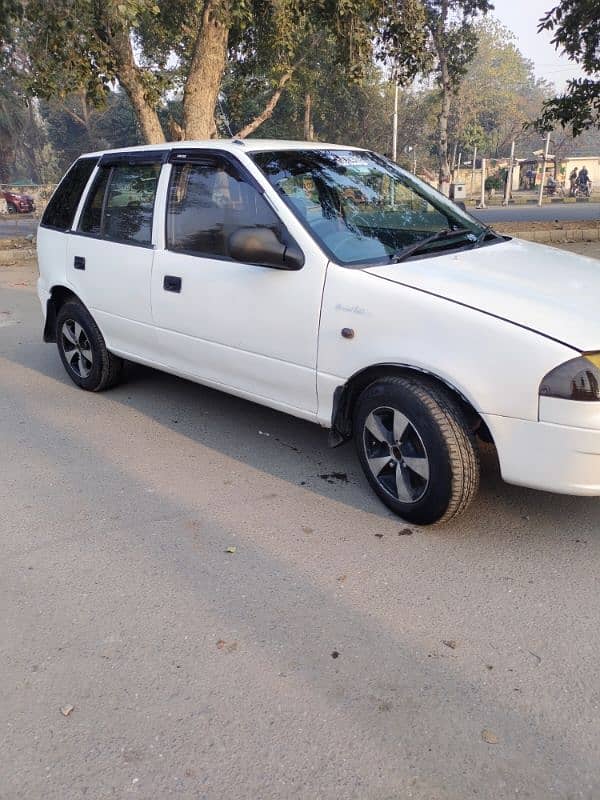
<point x="261" y="246"/>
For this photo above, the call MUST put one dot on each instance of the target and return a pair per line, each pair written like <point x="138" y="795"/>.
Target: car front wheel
<point x="416" y="449"/>
<point x="83" y="350"/>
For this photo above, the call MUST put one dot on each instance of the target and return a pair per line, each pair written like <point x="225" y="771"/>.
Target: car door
<point x="110" y="253"/>
<point x="252" y="329"/>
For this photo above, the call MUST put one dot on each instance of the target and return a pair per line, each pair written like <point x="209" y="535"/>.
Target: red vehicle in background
<point x="18" y="203"/>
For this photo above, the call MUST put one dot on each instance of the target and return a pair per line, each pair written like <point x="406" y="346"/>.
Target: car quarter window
<point x="208" y="202"/>
<point x="120" y="204"/>
<point x="63" y="204"/>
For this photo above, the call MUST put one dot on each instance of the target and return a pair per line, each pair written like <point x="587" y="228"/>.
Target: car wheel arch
<point x="59" y="295"/>
<point x="346" y="395"/>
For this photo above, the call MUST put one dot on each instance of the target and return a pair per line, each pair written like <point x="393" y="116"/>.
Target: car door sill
<point x="302" y="413"/>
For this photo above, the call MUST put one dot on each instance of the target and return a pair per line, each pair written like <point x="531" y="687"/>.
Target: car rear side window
<point x="207" y="203"/>
<point x="120" y="205"/>
<point x="63" y="204"/>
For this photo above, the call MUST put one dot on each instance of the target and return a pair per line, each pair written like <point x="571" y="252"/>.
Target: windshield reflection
<point x="362" y="208"/>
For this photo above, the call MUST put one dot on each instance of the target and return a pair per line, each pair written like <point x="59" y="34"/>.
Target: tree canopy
<point x="155" y="49"/>
<point x="575" y="25"/>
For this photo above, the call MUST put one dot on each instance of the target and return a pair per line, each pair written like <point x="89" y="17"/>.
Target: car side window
<point x="63" y="204"/>
<point x="120" y="205"/>
<point x="207" y="203"/>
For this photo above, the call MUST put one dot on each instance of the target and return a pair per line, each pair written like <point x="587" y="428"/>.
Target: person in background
<point x="584" y="177"/>
<point x="573" y="181"/>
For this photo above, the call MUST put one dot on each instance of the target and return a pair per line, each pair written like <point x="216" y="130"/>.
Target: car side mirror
<point x="261" y="246"/>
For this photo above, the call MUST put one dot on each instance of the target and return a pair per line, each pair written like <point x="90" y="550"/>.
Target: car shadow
<point x="297" y="451"/>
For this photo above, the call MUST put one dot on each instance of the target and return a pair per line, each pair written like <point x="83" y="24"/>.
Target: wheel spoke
<point x="73" y="359"/>
<point x="78" y="332"/>
<point x="405" y="494"/>
<point x="84" y="370"/>
<point x="401" y="423"/>
<point x="378" y="464"/>
<point x="68" y="334"/>
<point x="419" y="465"/>
<point x="87" y="354"/>
<point x="377" y="429"/>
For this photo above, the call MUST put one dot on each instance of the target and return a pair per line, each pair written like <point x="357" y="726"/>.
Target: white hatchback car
<point x="326" y="282"/>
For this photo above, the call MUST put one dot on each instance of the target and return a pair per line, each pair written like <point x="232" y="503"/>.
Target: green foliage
<point x="417" y="36"/>
<point x="576" y="28"/>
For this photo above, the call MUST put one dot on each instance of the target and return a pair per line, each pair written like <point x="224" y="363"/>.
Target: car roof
<point x="231" y="145"/>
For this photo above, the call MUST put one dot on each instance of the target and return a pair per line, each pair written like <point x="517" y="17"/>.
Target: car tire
<point x="83" y="350"/>
<point x="416" y="448"/>
<point x="11" y="208"/>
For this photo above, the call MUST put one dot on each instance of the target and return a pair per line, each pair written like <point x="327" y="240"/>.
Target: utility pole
<point x="473" y="170"/>
<point x="482" y="200"/>
<point x="509" y="177"/>
<point x="395" y="127"/>
<point x="414" y="159"/>
<point x="546" y="151"/>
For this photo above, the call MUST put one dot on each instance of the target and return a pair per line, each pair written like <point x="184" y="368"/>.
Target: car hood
<point x="549" y="291"/>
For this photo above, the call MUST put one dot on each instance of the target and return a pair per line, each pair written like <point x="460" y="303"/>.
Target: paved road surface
<point x="199" y="674"/>
<point x="23" y="226"/>
<point x="16" y="225"/>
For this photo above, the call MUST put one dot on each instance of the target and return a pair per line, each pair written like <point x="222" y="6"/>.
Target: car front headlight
<point x="577" y="379"/>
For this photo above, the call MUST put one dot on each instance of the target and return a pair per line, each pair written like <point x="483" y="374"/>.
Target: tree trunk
<point x="307" y="117"/>
<point x="446" y="85"/>
<point x="129" y="78"/>
<point x="206" y="72"/>
<point x="444" y="166"/>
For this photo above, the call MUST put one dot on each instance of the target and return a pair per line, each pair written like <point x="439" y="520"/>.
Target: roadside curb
<point x="556" y="236"/>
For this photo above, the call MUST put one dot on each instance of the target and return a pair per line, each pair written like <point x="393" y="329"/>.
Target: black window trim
<point x="194" y="155"/>
<point x="182" y="156"/>
<point x="111" y="166"/>
<point x="45" y="225"/>
<point x="135" y="158"/>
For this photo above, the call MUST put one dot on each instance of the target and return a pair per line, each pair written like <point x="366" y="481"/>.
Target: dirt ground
<point x="589" y="249"/>
<point x="514" y="226"/>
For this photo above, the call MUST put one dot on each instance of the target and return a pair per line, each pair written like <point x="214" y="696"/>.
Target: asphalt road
<point x="24" y="225"/>
<point x="195" y="673"/>
<point x="17" y="225"/>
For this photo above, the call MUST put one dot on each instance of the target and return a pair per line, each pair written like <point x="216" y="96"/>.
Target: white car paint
<point x="490" y="322"/>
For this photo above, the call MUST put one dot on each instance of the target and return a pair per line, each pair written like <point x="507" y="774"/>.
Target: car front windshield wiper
<point x="487" y="231"/>
<point x="446" y="233"/>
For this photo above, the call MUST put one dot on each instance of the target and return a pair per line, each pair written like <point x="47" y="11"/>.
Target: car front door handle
<point x="171" y="283"/>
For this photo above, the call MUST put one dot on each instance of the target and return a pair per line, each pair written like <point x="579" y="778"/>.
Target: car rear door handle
<point x="79" y="262"/>
<point x="171" y="283"/>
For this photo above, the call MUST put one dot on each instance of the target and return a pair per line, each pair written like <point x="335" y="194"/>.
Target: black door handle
<point x="79" y="262"/>
<point x="171" y="283"/>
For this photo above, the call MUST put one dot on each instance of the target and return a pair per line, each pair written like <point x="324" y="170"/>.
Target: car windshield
<point x="363" y="208"/>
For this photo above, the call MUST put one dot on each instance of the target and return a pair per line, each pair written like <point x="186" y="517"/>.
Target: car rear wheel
<point x="11" y="207"/>
<point x="416" y="449"/>
<point x="83" y="350"/>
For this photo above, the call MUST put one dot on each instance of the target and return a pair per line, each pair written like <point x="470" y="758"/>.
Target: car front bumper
<point x="562" y="458"/>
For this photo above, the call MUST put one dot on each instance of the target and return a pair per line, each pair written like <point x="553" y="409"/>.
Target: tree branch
<point x="270" y="107"/>
<point x="79" y="120"/>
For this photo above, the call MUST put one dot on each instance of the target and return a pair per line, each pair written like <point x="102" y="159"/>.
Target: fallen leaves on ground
<point x="489" y="736"/>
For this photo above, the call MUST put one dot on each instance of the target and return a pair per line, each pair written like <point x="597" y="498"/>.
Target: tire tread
<point x="463" y="453"/>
